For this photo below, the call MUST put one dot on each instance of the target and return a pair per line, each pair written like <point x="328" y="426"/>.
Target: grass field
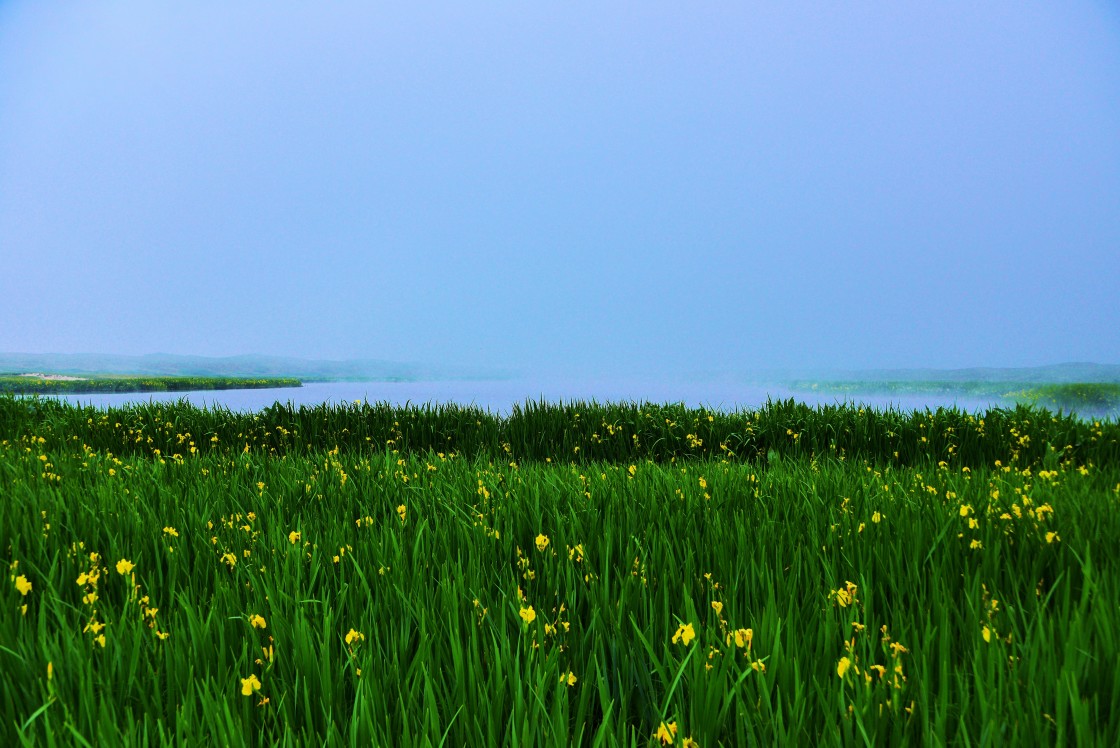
<point x="588" y="574"/>
<point x="100" y="383"/>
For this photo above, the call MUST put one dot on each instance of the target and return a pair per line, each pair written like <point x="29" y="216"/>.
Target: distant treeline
<point x="580" y="432"/>
<point x="1089" y="397"/>
<point x="93" y="385"/>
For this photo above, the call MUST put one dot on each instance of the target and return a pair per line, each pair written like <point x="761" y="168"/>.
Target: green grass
<point x="102" y="384"/>
<point x="578" y="432"/>
<point x="311" y="536"/>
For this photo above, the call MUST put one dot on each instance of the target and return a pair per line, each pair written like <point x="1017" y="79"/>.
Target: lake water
<point x="499" y="396"/>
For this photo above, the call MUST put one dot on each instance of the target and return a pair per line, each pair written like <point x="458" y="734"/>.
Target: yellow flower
<point x="101" y="640"/>
<point x="250" y="684"/>
<point x="542" y="542"/>
<point x="23" y="585"/>
<point x="50" y="670"/>
<point x="717" y="606"/>
<point x="171" y="531"/>
<point x="743" y="638"/>
<point x="842" y="666"/>
<point x="633" y="470"/>
<point x="124" y="566"/>
<point x="402" y="510"/>
<point x="666" y="732"/>
<point x="987" y="634"/>
<point x="685" y="633"/>
<point x="690" y="743"/>
<point x="1052" y="536"/>
<point x="570" y="678"/>
<point x="975" y="544"/>
<point x="257" y="621"/>
<point x="528" y="614"/>
<point x="965" y="509"/>
<point x="876" y="517"/>
<point x="354" y="635"/>
<point x="293" y="537"/>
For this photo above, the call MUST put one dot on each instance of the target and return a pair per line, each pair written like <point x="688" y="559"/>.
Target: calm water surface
<point x="498" y="396"/>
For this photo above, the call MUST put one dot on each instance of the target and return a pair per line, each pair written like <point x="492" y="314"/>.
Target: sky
<point x="625" y="186"/>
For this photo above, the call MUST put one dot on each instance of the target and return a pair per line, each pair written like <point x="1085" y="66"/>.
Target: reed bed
<point x="578" y="432"/>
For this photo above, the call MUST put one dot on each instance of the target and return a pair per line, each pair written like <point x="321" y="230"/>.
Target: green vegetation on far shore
<point x="1096" y="397"/>
<point x="1088" y="398"/>
<point x="46" y="385"/>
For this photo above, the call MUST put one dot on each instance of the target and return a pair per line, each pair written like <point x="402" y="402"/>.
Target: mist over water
<point x="499" y="396"/>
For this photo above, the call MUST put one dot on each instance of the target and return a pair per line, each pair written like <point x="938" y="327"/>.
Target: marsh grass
<point x="578" y="432"/>
<point x="395" y="581"/>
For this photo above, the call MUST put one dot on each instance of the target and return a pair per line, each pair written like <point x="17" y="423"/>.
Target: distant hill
<point x="169" y="365"/>
<point x="1053" y="374"/>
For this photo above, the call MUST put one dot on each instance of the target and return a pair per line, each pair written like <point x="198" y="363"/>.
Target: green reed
<point x="580" y="432"/>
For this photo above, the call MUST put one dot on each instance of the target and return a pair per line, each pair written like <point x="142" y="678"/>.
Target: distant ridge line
<point x="254" y="365"/>
<point x="1063" y="373"/>
<point x="1054" y="373"/>
<point x="246" y="365"/>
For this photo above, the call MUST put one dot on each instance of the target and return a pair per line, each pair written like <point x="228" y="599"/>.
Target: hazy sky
<point x="632" y="185"/>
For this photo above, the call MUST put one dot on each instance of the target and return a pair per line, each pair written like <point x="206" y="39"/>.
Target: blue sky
<point x="628" y="186"/>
